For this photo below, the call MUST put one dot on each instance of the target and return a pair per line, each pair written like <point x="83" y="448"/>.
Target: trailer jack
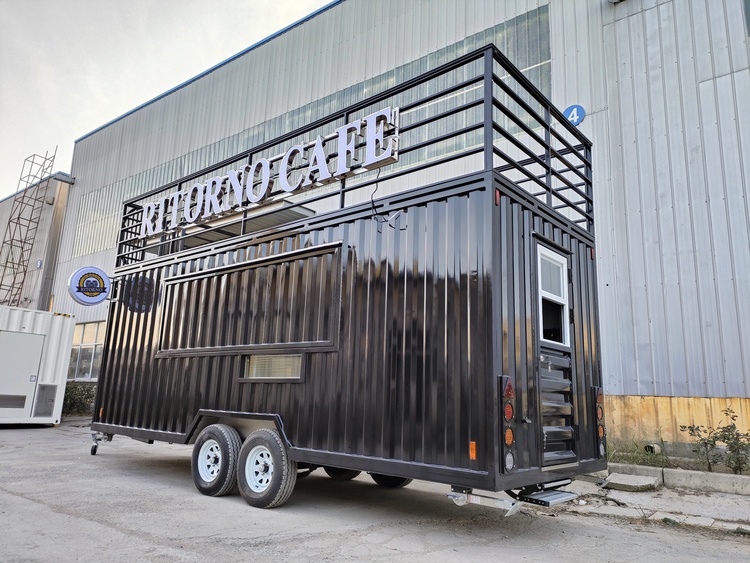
<point x="462" y="496"/>
<point x="97" y="437"/>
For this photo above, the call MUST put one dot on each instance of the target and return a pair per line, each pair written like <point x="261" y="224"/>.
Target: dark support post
<point x="589" y="190"/>
<point x="548" y="153"/>
<point x="488" y="105"/>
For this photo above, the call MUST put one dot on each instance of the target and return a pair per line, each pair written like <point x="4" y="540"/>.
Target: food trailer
<point x="404" y="287"/>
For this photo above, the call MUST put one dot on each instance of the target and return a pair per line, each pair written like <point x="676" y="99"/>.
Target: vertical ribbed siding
<point x="518" y="335"/>
<point x="58" y="338"/>
<point x="408" y="378"/>
<point x="665" y="83"/>
<point x="284" y="302"/>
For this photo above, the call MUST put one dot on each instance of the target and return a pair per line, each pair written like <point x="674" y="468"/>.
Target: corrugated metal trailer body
<point x="35" y="351"/>
<point x="520" y="231"/>
<point x="395" y="308"/>
<point x="443" y="330"/>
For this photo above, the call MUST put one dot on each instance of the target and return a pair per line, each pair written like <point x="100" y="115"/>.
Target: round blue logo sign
<point x="89" y="286"/>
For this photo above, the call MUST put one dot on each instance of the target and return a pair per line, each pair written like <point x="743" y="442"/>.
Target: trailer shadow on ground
<point x="420" y="500"/>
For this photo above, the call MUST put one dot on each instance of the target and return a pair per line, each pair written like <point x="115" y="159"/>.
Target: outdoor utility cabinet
<point x="35" y="352"/>
<point x="406" y="287"/>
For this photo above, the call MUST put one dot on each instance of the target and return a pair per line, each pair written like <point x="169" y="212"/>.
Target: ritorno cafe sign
<point x="254" y="182"/>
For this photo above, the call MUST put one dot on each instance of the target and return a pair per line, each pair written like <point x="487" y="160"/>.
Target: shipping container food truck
<point x="405" y="286"/>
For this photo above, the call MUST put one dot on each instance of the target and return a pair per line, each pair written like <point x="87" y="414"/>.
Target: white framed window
<point x="86" y="356"/>
<point x="552" y="274"/>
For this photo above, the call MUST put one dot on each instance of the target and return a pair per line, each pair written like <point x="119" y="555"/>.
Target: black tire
<point x="214" y="460"/>
<point x="338" y="474"/>
<point x="94" y="447"/>
<point x="265" y="475"/>
<point x="389" y="481"/>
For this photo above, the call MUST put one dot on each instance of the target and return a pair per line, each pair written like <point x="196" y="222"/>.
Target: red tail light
<point x="508" y="392"/>
<point x="507" y="424"/>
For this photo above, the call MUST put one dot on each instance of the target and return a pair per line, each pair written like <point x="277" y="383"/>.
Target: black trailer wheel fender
<point x="265" y="474"/>
<point x="389" y="481"/>
<point x="214" y="460"/>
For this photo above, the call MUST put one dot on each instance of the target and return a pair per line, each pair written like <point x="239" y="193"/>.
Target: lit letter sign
<point x="283" y="170"/>
<point x="248" y="177"/>
<point x="375" y="123"/>
<point x="371" y="141"/>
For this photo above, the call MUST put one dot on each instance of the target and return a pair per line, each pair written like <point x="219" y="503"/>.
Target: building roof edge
<point x="213" y="68"/>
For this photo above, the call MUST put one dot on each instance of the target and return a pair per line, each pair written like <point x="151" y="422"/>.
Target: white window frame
<point x="556" y="257"/>
<point x="96" y="346"/>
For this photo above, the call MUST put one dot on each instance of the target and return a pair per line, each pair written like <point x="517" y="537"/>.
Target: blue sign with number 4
<point x="575" y="115"/>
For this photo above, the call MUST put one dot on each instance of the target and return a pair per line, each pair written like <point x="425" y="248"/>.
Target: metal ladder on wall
<point x="20" y="233"/>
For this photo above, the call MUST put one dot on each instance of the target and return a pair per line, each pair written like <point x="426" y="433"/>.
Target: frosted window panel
<point x="274" y="367"/>
<point x="552" y="277"/>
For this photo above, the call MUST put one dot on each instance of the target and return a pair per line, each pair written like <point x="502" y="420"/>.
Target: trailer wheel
<point x="266" y="476"/>
<point x="389" y="481"/>
<point x="338" y="474"/>
<point x="214" y="463"/>
<point x="93" y="449"/>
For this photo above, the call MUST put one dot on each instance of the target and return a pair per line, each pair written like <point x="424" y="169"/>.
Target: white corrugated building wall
<point x="665" y="84"/>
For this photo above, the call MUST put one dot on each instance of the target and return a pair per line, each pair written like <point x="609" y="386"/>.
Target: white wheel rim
<point x="259" y="469"/>
<point x="209" y="460"/>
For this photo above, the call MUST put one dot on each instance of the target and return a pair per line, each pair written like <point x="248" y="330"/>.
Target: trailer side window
<point x="553" y="295"/>
<point x="273" y="367"/>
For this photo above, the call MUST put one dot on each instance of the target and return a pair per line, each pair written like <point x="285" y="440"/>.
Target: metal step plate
<point x="548" y="498"/>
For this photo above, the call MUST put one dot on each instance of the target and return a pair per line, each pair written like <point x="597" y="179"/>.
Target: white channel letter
<point x="346" y="145"/>
<point x="317" y="171"/>
<point x="375" y="123"/>
<point x="174" y="200"/>
<point x="159" y="227"/>
<point x="233" y="184"/>
<point x="211" y="200"/>
<point x="286" y="161"/>
<point x="191" y="217"/>
<point x="248" y="180"/>
<point x="147" y="222"/>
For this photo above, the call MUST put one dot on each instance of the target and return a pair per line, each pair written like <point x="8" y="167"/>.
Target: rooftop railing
<point x="475" y="113"/>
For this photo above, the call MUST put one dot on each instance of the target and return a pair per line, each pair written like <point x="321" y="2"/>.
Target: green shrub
<point x="704" y="442"/>
<point x="735" y="454"/>
<point x="79" y="398"/>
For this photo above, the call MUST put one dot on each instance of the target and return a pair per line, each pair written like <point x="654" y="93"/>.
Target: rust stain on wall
<point x="633" y="418"/>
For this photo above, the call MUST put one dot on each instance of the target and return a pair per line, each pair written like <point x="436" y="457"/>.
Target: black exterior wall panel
<point x="519" y="234"/>
<point x="374" y="384"/>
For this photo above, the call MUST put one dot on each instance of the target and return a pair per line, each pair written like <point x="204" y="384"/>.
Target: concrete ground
<point x="136" y="502"/>
<point x="685" y="506"/>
